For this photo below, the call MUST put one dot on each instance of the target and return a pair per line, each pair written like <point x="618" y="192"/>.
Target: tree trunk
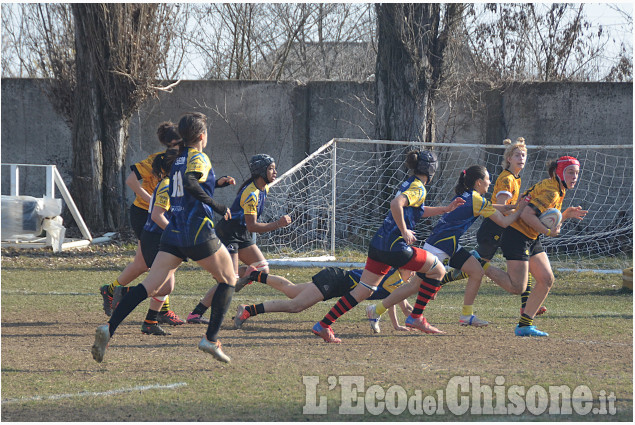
<point x="402" y="88"/>
<point x="409" y="72"/>
<point x="87" y="160"/>
<point x="100" y="136"/>
<point x="114" y="143"/>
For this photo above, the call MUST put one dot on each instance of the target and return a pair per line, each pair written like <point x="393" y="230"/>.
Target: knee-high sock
<point x="129" y="302"/>
<point x="525" y="295"/>
<point x="220" y="303"/>
<point x="427" y="289"/>
<point x="344" y="304"/>
<point x="452" y="275"/>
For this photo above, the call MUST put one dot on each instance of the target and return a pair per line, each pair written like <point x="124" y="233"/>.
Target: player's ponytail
<point x="167" y="132"/>
<point x="468" y="178"/>
<point x="162" y="163"/>
<point x="412" y="159"/>
<point x="551" y="168"/>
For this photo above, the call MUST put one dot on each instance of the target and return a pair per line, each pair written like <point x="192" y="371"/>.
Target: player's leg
<point x="197" y="315"/>
<point x="429" y="275"/>
<point x="165" y="267"/>
<point x="308" y="297"/>
<point x="167" y="315"/>
<point x="256" y="262"/>
<point x="215" y="259"/>
<point x="475" y="273"/>
<point x="368" y="283"/>
<point x="540" y="268"/>
<point x="132" y="271"/>
<point x="151" y="323"/>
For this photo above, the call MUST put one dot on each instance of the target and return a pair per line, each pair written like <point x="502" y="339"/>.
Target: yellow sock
<point x="486" y="266"/>
<point x="111" y="288"/>
<point x="166" y="304"/>
<point x="380" y="309"/>
<point x="467" y="310"/>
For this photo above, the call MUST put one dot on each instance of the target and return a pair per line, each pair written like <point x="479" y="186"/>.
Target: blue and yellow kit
<point x="388" y="237"/>
<point x="452" y="225"/>
<point x="160" y="198"/>
<point x="250" y="200"/>
<point x="191" y="222"/>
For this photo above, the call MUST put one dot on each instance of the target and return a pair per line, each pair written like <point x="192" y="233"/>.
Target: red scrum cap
<point x="565" y="162"/>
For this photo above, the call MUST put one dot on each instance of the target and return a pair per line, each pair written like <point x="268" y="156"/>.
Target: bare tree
<point x="102" y="61"/>
<point x="412" y="40"/>
<point x="286" y="41"/>
<point x="525" y="41"/>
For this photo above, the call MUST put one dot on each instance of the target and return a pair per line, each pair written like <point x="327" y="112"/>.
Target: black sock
<point x="199" y="309"/>
<point x="152" y="316"/>
<point x="255" y="309"/>
<point x="220" y="303"/>
<point x="258" y="276"/>
<point x="129" y="302"/>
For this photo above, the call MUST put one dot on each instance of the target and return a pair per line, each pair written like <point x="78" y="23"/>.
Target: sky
<point x="603" y="14"/>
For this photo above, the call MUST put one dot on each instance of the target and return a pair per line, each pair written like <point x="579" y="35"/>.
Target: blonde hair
<point x="511" y="147"/>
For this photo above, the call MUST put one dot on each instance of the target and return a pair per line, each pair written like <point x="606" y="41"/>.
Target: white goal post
<point x="339" y="195"/>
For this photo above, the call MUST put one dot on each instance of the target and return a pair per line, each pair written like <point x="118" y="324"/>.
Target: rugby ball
<point x="551" y="218"/>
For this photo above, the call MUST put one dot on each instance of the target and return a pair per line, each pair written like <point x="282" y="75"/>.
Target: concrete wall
<point x="289" y="120"/>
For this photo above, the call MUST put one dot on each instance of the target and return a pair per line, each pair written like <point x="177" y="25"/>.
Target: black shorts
<point x="138" y="217"/>
<point x="150" y="246"/>
<point x="233" y="235"/>
<point x="395" y="259"/>
<point x="196" y="252"/>
<point x="332" y="282"/>
<point x="459" y="258"/>
<point x="517" y="246"/>
<point x="489" y="238"/>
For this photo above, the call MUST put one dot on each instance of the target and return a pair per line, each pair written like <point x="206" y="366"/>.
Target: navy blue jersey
<point x="388" y="237"/>
<point x="453" y="224"/>
<point x="191" y="222"/>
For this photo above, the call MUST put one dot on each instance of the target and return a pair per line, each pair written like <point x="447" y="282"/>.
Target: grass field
<point x="51" y="307"/>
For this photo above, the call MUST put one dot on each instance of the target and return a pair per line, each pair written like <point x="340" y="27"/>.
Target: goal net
<point x="339" y="195"/>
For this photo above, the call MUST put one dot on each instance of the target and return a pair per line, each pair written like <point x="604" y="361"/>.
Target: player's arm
<point x="251" y="220"/>
<point x="191" y="185"/>
<point x="530" y="216"/>
<point x="396" y="208"/>
<point x="158" y="216"/>
<point x="392" y="313"/>
<point x="432" y="211"/>
<point x="506" y="220"/>
<point x="225" y="181"/>
<point x="134" y="183"/>
<point x="574" y="212"/>
<point x="502" y="198"/>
